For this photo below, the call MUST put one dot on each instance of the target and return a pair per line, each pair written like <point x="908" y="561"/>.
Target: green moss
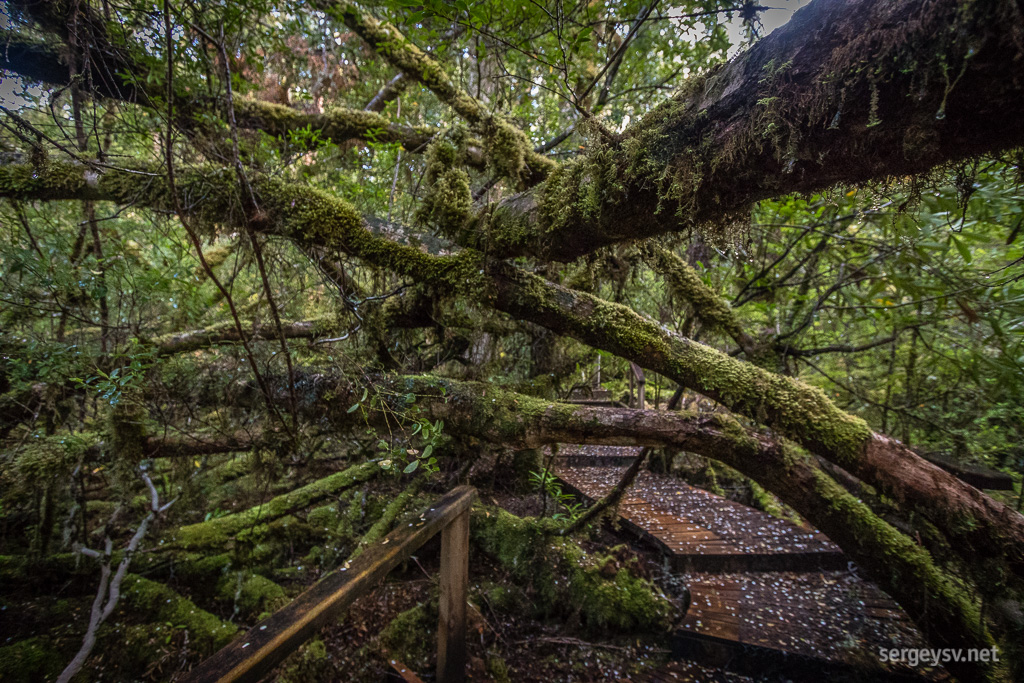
<point x="497" y="668"/>
<point x="448" y="200"/>
<point x="524" y="463"/>
<point x="712" y="310"/>
<point x="127" y="428"/>
<point x="794" y="408"/>
<point x="50" y="180"/>
<point x="200" y="569"/>
<point x="337" y="124"/>
<point x="44" y="457"/>
<point x="217" y="532"/>
<point x="309" y="663"/>
<point x="30" y="660"/>
<point x="762" y="500"/>
<point x="502" y="598"/>
<point x="408" y="636"/>
<point x="251" y="593"/>
<point x="387" y="518"/>
<point x="579" y="191"/>
<point x="602" y="596"/>
<point x="507" y="149"/>
<point x="408" y="58"/>
<point x="911" y="570"/>
<point x="207" y="633"/>
<point x="314" y="217"/>
<point x="215" y="257"/>
<point x="137" y="645"/>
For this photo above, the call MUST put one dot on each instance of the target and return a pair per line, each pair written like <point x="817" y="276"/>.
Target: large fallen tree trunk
<point x="845" y="92"/>
<point x="980" y="529"/>
<point x="941" y="606"/>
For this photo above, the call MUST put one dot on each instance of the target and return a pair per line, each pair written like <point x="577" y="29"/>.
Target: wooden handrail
<point x="253" y="656"/>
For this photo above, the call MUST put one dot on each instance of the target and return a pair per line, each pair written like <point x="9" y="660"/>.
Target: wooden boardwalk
<point x="700" y="531"/>
<point x="768" y="598"/>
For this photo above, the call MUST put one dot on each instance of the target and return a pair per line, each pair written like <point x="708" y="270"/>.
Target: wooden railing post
<point x="252" y="657"/>
<point x="451" y="626"/>
<point x="638" y="373"/>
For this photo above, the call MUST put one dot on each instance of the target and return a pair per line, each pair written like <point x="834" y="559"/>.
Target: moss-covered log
<point x="603" y="594"/>
<point x="978" y="527"/>
<point x="846" y="91"/>
<point x="227" y="333"/>
<point x="217" y="532"/>
<point x="496" y="416"/>
<point x="938" y="604"/>
<point x="162" y="604"/>
<point x="306" y="215"/>
<point x="712" y="310"/>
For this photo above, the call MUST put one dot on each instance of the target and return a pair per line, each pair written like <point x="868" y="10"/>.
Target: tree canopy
<point x="389" y="242"/>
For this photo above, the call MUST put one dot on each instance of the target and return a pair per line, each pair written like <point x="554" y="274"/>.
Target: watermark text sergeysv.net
<point x="936" y="657"/>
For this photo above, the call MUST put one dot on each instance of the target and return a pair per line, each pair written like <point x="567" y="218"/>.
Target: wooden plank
<point x="405" y="672"/>
<point x="454" y="578"/>
<point x="709" y="626"/>
<point x="254" y="655"/>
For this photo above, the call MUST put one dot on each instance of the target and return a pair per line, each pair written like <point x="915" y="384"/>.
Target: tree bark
<point x="904" y="569"/>
<point x="846" y="91"/>
<point x="978" y="527"/>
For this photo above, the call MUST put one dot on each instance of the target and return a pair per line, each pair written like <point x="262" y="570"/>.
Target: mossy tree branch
<point x="340" y="125"/>
<point x="791" y="114"/>
<point x="40" y="60"/>
<point x="846" y="92"/>
<point x="508" y="149"/>
<point x="902" y="567"/>
<point x="978" y="527"/>
<point x="224" y="333"/>
<point x="712" y="310"/>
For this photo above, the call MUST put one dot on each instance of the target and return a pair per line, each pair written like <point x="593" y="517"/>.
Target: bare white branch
<point x="109" y="591"/>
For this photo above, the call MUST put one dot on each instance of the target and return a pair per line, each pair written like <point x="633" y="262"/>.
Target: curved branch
<point x="389" y="42"/>
<point x="977" y="526"/>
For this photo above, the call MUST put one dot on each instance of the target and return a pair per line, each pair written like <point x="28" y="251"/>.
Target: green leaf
<point x="427" y="451"/>
<point x="962" y="248"/>
<point x="411" y="467"/>
<point x="353" y="407"/>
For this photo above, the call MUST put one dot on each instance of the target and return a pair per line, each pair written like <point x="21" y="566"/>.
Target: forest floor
<point x="812" y="615"/>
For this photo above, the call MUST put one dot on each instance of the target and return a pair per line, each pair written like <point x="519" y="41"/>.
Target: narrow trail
<point x="769" y="599"/>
